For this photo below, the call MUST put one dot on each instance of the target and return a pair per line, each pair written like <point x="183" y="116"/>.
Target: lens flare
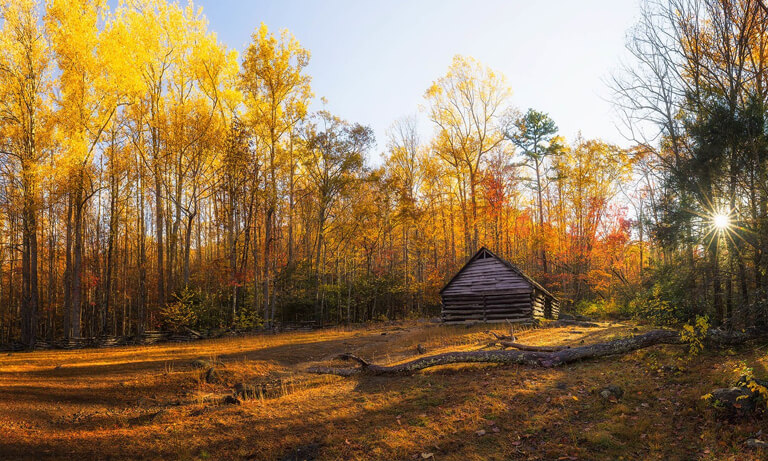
<point x="721" y="221"/>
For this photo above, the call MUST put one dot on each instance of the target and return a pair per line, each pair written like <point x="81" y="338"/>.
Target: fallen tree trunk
<point x="572" y="323"/>
<point x="530" y="357"/>
<point x="525" y="347"/>
<point x="509" y="341"/>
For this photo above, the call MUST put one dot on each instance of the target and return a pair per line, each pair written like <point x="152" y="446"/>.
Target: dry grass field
<point x="153" y="403"/>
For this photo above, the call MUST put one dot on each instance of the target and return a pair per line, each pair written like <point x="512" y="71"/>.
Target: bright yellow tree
<point x="25" y="106"/>
<point x="465" y="105"/>
<point x="277" y="93"/>
<point x="88" y="100"/>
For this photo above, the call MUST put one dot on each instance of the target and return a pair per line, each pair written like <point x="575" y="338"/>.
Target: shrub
<point x="179" y="313"/>
<point x="667" y="299"/>
<point x="247" y="317"/>
<point x="602" y="308"/>
<point x="694" y="334"/>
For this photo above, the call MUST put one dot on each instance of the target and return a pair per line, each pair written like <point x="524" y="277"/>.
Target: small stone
<point x="201" y="363"/>
<point x="755" y="443"/>
<point x="612" y="391"/>
<point x="669" y="369"/>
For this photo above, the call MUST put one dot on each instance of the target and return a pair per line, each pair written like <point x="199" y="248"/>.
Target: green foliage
<point x="694" y="334"/>
<point x="667" y="300"/>
<point x="195" y="309"/>
<point x="747" y="378"/>
<point x="247" y="317"/>
<point x="602" y="309"/>
<point x="179" y="313"/>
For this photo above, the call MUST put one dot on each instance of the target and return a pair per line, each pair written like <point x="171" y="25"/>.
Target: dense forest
<point x="153" y="178"/>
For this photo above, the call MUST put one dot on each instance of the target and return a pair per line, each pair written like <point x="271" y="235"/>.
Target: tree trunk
<point x="541" y="218"/>
<point x="68" y="271"/>
<point x="159" y="221"/>
<point x="266" y="262"/>
<point x="111" y="236"/>
<point x="77" y="264"/>
<point x="188" y="245"/>
<point x="30" y="300"/>
<point x="533" y="358"/>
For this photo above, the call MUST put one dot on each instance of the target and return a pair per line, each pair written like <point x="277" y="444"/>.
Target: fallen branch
<point x="525" y="347"/>
<point x="502" y="337"/>
<point x="572" y="323"/>
<point x="529" y="357"/>
<point x="509" y="341"/>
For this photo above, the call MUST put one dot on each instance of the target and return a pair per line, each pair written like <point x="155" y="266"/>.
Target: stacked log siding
<point x="489" y="289"/>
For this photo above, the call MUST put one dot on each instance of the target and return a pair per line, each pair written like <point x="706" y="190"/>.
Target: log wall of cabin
<point x="555" y="309"/>
<point x="538" y="304"/>
<point x="487" y="291"/>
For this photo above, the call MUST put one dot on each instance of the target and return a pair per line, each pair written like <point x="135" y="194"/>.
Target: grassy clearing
<point x="151" y="403"/>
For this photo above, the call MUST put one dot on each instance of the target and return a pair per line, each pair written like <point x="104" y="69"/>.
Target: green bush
<point x="602" y="309"/>
<point x="179" y="313"/>
<point x="667" y="298"/>
<point x="247" y="317"/>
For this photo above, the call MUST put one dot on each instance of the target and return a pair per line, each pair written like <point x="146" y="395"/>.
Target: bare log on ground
<point x="511" y="342"/>
<point x="532" y="358"/>
<point x="572" y="323"/>
<point x="525" y="347"/>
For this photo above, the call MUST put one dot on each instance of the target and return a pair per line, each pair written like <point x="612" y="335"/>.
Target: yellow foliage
<point x="694" y="334"/>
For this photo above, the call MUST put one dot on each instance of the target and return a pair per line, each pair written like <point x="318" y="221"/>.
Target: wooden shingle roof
<point x="485" y="252"/>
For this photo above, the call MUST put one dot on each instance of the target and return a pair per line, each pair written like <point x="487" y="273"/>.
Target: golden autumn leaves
<point x="155" y="162"/>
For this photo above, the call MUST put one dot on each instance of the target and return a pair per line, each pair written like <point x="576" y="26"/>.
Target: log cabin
<point x="489" y="289"/>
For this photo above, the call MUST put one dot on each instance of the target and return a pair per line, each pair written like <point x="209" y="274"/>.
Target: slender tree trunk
<point x="159" y="221"/>
<point x="717" y="287"/>
<point x="112" y="235"/>
<point x="541" y="219"/>
<point x="141" y="313"/>
<point x="473" y="198"/>
<point x="77" y="264"/>
<point x="30" y="300"/>
<point x="68" y="271"/>
<point x="188" y="245"/>
<point x="266" y="263"/>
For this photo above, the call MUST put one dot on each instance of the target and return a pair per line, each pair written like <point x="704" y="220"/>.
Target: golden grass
<point x="151" y="403"/>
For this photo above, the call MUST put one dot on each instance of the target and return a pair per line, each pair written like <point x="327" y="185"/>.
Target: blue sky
<point x="374" y="60"/>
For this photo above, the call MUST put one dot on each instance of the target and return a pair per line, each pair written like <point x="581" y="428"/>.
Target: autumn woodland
<point x="318" y="285"/>
<point x="152" y="178"/>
